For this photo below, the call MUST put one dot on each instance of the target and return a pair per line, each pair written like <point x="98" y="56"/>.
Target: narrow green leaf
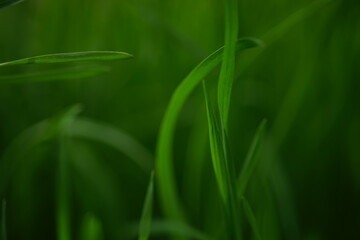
<point x="71" y="57"/>
<point x="146" y="216"/>
<point x="54" y="75"/>
<point x="251" y="159"/>
<point x="7" y="3"/>
<point x="114" y="137"/>
<point x="251" y="218"/>
<point x="227" y="72"/>
<point x="91" y="228"/>
<point x="224" y="169"/>
<point x="3" y="220"/>
<point x="164" y="163"/>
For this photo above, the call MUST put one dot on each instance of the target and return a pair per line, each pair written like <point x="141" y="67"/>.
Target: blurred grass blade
<point x="146" y="216"/>
<point x="164" y="163"/>
<point x="91" y="228"/>
<point x="107" y="134"/>
<point x="227" y="72"/>
<point x="224" y="169"/>
<point x="29" y="138"/>
<point x="251" y="218"/>
<point x="7" y="3"/>
<point x="71" y="57"/>
<point x="3" y="220"/>
<point x="54" y="75"/>
<point x="63" y="181"/>
<point x="251" y="159"/>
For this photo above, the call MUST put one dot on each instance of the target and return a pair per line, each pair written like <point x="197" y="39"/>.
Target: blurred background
<point x="304" y="81"/>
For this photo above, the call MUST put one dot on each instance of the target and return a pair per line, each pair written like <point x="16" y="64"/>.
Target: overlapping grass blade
<point x="91" y="228"/>
<point x="228" y="64"/>
<point x="109" y="135"/>
<point x="164" y="163"/>
<point x="251" y="159"/>
<point x="7" y="3"/>
<point x="251" y="218"/>
<point x="3" y="220"/>
<point x="71" y="57"/>
<point x="224" y="169"/>
<point x="146" y="216"/>
<point x="54" y="75"/>
<point x="29" y="138"/>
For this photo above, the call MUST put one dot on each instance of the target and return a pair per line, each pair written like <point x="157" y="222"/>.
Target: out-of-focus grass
<point x="304" y="184"/>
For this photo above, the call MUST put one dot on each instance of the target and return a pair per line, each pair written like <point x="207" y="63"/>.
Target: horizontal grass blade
<point x="251" y="159"/>
<point x="104" y="133"/>
<point x="71" y="57"/>
<point x="164" y="163"/>
<point x="146" y="216"/>
<point x="7" y="3"/>
<point x="54" y="75"/>
<point x="251" y="218"/>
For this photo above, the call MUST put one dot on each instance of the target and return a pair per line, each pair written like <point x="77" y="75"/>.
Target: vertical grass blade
<point x="251" y="159"/>
<point x="251" y="218"/>
<point x="7" y="3"/>
<point x="224" y="170"/>
<point x="63" y="186"/>
<point x="228" y="64"/>
<point x="164" y="163"/>
<point x="91" y="228"/>
<point x="146" y="216"/>
<point x="3" y="220"/>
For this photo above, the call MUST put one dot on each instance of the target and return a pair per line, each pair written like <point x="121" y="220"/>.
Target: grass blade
<point x="145" y="221"/>
<point x="91" y="228"/>
<point x="227" y="72"/>
<point x="164" y="164"/>
<point x="3" y="220"/>
<point x="224" y="169"/>
<point x="251" y="218"/>
<point x="109" y="135"/>
<point x="7" y="3"/>
<point x="54" y="75"/>
<point x="71" y="57"/>
<point x="251" y="159"/>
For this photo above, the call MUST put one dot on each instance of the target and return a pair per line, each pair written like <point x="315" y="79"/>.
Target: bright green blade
<point x="224" y="169"/>
<point x="3" y="220"/>
<point x="228" y="64"/>
<point x="251" y="218"/>
<point x="146" y="216"/>
<point x="71" y="57"/>
<point x="54" y="75"/>
<point x="164" y="163"/>
<point x="91" y="228"/>
<point x="114" y="137"/>
<point x="7" y="3"/>
<point x="251" y="159"/>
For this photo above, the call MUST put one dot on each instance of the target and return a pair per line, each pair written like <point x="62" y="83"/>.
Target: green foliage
<point x="146" y="216"/>
<point x="7" y="3"/>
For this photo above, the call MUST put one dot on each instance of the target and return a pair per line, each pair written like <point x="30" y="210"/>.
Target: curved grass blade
<point x="54" y="75"/>
<point x="164" y="164"/>
<point x="109" y="135"/>
<point x="91" y="228"/>
<point x="224" y="169"/>
<point x="251" y="159"/>
<point x="145" y="221"/>
<point x="8" y="3"/>
<point x="227" y="72"/>
<point x="3" y="220"/>
<point x="251" y="218"/>
<point x="32" y="136"/>
<point x="71" y="57"/>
